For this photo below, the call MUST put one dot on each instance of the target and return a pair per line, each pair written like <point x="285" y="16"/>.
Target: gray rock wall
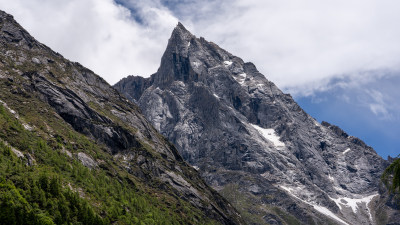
<point x="237" y="127"/>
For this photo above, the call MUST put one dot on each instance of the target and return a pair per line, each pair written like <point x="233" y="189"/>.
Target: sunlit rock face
<point x="252" y="142"/>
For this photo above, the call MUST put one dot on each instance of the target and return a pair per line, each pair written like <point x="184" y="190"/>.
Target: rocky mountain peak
<point x="182" y="32"/>
<point x="61" y="117"/>
<point x="187" y="58"/>
<point x="174" y="62"/>
<point x="238" y="128"/>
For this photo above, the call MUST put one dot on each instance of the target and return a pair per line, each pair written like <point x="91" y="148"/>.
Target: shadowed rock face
<point x="87" y="104"/>
<point x="248" y="138"/>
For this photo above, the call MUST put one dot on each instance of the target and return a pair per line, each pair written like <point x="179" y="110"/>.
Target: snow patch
<point x="346" y="151"/>
<point x="288" y="189"/>
<point x="241" y="79"/>
<point x="196" y="167"/>
<point x="353" y="203"/>
<point x="196" y="64"/>
<point x="327" y="212"/>
<point x="270" y="135"/>
<point x="228" y="63"/>
<point x="189" y="44"/>
<point x="331" y="178"/>
<point x="319" y="208"/>
<point x="216" y="95"/>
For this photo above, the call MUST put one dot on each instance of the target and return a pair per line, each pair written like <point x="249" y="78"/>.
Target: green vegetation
<point x="42" y="201"/>
<point x="244" y="203"/>
<point x="391" y="177"/>
<point x="289" y="219"/>
<point x="250" y="208"/>
<point x="58" y="189"/>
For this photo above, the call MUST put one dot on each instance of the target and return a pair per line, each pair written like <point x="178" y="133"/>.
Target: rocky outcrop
<point x="87" y="104"/>
<point x="387" y="207"/>
<point x="86" y="160"/>
<point x="237" y="127"/>
<point x="135" y="85"/>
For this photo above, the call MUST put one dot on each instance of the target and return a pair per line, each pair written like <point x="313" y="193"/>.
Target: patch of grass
<point x="289" y="219"/>
<point x="244" y="203"/>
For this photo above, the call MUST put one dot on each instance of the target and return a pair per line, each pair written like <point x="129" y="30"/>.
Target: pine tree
<point x="391" y="177"/>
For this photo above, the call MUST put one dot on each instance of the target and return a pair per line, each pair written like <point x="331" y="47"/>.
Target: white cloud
<point x="378" y="105"/>
<point x="378" y="93"/>
<point x="303" y="44"/>
<point x="379" y="110"/>
<point x="299" y="45"/>
<point x="97" y="33"/>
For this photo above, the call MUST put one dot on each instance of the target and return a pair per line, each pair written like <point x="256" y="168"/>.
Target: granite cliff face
<point x="57" y="100"/>
<point x="252" y="142"/>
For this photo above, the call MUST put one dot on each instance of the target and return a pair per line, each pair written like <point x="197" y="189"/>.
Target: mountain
<point x="73" y="150"/>
<point x="253" y="143"/>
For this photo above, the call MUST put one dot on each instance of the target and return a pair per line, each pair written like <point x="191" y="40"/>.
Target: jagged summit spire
<point x="175" y="56"/>
<point x="186" y="56"/>
<point x="180" y="34"/>
<point x="180" y="26"/>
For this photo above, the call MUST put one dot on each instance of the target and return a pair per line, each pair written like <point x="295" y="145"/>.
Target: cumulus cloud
<point x="99" y="34"/>
<point x="300" y="45"/>
<point x="377" y="94"/>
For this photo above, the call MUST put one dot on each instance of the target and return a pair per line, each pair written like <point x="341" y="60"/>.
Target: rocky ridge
<point x="252" y="142"/>
<point x="58" y="99"/>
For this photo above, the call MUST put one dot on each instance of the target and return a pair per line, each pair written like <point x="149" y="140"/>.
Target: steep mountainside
<point x="252" y="142"/>
<point x="73" y="150"/>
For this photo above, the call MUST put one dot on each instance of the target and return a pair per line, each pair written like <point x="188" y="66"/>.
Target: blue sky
<point x="339" y="59"/>
<point x="349" y="107"/>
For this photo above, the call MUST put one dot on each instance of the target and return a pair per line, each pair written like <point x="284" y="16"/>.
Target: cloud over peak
<point x="341" y="51"/>
<point x="100" y="34"/>
<point x="300" y="46"/>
